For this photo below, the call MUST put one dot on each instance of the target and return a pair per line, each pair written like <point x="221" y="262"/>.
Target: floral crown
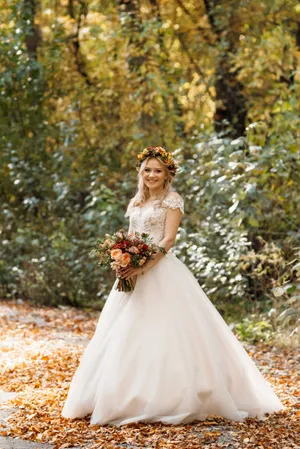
<point x="160" y="152"/>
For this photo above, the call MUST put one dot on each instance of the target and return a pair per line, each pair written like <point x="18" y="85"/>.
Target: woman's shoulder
<point x="173" y="200"/>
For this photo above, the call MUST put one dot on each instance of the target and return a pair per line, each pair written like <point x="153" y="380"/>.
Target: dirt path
<point x="39" y="351"/>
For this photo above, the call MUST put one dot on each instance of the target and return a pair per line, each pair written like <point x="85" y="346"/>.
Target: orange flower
<point x="125" y="260"/>
<point x="116" y="254"/>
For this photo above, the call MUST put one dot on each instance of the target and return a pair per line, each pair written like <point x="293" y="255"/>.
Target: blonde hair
<point x="143" y="194"/>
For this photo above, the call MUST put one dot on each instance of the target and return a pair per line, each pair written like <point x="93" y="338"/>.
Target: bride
<point x="163" y="352"/>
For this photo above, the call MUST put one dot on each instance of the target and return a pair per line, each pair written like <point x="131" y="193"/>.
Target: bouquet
<point x="122" y="249"/>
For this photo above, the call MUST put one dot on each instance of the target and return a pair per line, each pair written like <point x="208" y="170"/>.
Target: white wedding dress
<point x="163" y="352"/>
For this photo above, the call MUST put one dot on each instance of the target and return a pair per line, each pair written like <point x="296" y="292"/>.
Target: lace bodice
<point x="151" y="218"/>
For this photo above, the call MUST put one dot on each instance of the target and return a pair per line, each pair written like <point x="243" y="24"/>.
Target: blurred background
<point x="85" y="85"/>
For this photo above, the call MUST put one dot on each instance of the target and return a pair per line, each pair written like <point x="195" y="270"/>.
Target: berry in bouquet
<point x="123" y="249"/>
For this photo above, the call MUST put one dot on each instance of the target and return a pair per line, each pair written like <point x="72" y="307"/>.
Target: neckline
<point x="151" y="202"/>
<point x="146" y="205"/>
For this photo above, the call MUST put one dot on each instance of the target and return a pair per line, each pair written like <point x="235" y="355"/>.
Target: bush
<point x="254" y="330"/>
<point x="241" y="207"/>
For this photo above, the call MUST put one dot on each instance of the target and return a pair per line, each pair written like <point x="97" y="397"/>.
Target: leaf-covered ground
<point x="39" y="351"/>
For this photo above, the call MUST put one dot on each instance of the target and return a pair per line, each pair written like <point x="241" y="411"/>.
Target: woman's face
<point x="154" y="175"/>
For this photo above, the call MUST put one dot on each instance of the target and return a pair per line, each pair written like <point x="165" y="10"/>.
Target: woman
<point x="163" y="352"/>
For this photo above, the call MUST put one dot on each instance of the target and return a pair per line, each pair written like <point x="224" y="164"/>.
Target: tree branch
<point x="209" y="6"/>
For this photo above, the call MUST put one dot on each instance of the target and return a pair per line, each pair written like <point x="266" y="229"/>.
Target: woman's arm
<point x="173" y="218"/>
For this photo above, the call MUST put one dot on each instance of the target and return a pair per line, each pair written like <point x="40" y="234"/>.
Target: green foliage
<point x="282" y="321"/>
<point x="285" y="314"/>
<point x="254" y="331"/>
<point x="242" y="224"/>
<point x="52" y="264"/>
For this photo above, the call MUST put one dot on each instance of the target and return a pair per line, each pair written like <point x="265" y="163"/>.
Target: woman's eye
<point x="148" y="170"/>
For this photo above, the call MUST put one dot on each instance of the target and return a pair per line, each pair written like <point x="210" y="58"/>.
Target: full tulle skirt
<point x="164" y="353"/>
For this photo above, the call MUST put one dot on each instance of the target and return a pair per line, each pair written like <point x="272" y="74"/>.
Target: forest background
<point x="86" y="85"/>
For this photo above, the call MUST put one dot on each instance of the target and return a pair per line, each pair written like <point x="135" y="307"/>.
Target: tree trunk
<point x="231" y="112"/>
<point x="177" y="107"/>
<point x="231" y="109"/>
<point x="33" y="35"/>
<point x="130" y="17"/>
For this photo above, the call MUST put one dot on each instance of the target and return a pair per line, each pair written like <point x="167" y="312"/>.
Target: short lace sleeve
<point x="129" y="209"/>
<point x="174" y="201"/>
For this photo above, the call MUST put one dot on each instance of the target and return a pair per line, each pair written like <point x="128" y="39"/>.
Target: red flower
<point x="145" y="247"/>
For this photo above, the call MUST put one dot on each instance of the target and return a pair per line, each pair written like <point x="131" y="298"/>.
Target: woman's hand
<point x="118" y="272"/>
<point x="129" y="272"/>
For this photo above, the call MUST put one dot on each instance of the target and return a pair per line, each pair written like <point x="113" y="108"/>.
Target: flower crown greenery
<point x="161" y="153"/>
